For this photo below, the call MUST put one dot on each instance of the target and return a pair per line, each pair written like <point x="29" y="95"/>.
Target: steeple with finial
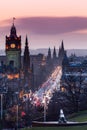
<point x="13" y="30"/>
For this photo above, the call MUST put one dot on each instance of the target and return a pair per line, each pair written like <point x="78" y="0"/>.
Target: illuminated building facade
<point x="13" y="49"/>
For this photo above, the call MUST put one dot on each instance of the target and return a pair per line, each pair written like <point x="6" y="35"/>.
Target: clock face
<point x="12" y="45"/>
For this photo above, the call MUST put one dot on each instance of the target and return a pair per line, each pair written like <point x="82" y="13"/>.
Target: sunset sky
<point x="46" y="22"/>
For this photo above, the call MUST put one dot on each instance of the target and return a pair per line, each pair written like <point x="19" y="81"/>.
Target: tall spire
<point x="59" y="51"/>
<point x="62" y="46"/>
<point x="26" y="61"/>
<point x="26" y="42"/>
<point x="13" y="30"/>
<point x="49" y="54"/>
<point x="54" y="53"/>
<point x="13" y="20"/>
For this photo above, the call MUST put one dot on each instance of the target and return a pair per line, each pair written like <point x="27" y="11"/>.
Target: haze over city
<point x="46" y="22"/>
<point x="43" y="64"/>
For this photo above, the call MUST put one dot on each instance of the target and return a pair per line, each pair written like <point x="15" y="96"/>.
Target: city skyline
<point x="46" y="23"/>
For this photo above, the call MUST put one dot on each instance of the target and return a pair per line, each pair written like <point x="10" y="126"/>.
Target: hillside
<point x="80" y="117"/>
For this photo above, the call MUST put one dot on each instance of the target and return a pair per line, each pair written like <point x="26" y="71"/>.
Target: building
<point x="61" y="53"/>
<point x="49" y="54"/>
<point x="13" y="49"/>
<point x="26" y="57"/>
<point x="54" y="53"/>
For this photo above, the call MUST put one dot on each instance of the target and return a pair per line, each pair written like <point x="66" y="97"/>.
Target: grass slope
<point x="59" y="128"/>
<point x="80" y="117"/>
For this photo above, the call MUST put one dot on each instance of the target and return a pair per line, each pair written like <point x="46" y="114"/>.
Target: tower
<point x="62" y="56"/>
<point x="13" y="49"/>
<point x="62" y="46"/>
<point x="28" y="71"/>
<point x="26" y="59"/>
<point x="49" y="54"/>
<point x="54" y="53"/>
<point x="65" y="61"/>
<point x="61" y="50"/>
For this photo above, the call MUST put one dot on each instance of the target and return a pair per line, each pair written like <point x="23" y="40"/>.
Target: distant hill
<point x="78" y="52"/>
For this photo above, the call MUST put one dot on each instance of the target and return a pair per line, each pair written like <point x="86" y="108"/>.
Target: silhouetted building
<point x="54" y="53"/>
<point x="65" y="62"/>
<point x="27" y="67"/>
<point x="26" y="58"/>
<point x="13" y="49"/>
<point x="62" y="46"/>
<point x="61" y="50"/>
<point x="61" y="53"/>
<point x="49" y="54"/>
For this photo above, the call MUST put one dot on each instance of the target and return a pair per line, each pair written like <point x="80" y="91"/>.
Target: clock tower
<point x="13" y="49"/>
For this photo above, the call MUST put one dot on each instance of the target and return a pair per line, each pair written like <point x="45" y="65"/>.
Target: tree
<point x="72" y="84"/>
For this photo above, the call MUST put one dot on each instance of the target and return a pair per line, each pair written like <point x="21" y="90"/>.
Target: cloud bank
<point x="49" y="25"/>
<point x="52" y="25"/>
<point x="48" y="31"/>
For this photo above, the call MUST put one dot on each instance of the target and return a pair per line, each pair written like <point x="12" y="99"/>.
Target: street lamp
<point x="45" y="108"/>
<point x="3" y="90"/>
<point x="1" y="105"/>
<point x="17" y="115"/>
<point x="17" y="108"/>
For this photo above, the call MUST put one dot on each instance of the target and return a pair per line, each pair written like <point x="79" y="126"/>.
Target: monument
<point x="62" y="118"/>
<point x="61" y="122"/>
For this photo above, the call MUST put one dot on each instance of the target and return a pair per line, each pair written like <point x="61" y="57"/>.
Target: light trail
<point x="46" y="89"/>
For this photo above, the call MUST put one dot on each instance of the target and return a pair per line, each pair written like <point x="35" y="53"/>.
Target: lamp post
<point x="44" y="108"/>
<point x="17" y="116"/>
<point x="3" y="90"/>
<point x="17" y="109"/>
<point x="1" y="105"/>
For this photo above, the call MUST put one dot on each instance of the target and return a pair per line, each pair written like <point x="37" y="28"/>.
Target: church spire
<point x="62" y="46"/>
<point x="59" y="51"/>
<point x="13" y="30"/>
<point x="26" y="41"/>
<point x="54" y="53"/>
<point x="13" y="20"/>
<point x="26" y="60"/>
<point x="49" y="54"/>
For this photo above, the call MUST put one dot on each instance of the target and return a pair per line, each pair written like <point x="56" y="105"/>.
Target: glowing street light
<point x="1" y="106"/>
<point x="17" y="108"/>
<point x="45" y="105"/>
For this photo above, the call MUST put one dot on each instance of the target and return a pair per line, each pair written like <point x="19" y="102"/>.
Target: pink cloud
<point x="49" y="31"/>
<point x="52" y="25"/>
<point x="49" y="25"/>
